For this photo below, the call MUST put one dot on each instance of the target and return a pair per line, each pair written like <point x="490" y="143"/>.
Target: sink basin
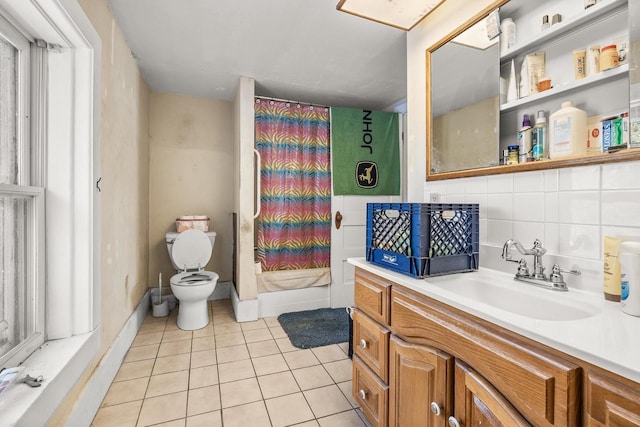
<point x="499" y="290"/>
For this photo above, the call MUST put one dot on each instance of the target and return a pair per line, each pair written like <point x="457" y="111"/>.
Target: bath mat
<point x="315" y="328"/>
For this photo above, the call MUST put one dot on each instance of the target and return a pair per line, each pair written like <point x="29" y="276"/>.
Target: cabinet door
<point x="611" y="403"/>
<point x="478" y="403"/>
<point x="418" y="376"/>
<point x="371" y="343"/>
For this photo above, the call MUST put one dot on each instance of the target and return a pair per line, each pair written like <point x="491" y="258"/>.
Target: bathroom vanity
<point x="482" y="349"/>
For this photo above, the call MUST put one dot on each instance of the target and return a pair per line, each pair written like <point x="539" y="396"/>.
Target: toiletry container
<point x="508" y="35"/>
<point x="525" y="140"/>
<point x="567" y="132"/>
<point x="540" y="137"/>
<point x="630" y="276"/>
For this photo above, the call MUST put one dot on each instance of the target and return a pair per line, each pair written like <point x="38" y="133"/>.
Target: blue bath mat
<point x="315" y="328"/>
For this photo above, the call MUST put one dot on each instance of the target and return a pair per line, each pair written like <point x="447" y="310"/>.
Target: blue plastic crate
<point x="424" y="239"/>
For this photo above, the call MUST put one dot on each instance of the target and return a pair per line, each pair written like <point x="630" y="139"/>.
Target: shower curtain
<point x="294" y="226"/>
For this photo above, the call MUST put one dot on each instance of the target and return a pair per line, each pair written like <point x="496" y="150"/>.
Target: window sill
<point x="61" y="363"/>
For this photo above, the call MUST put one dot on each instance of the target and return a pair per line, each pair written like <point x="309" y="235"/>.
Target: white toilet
<point x="190" y="251"/>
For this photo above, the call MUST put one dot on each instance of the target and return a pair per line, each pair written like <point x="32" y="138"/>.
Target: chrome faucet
<point x="555" y="281"/>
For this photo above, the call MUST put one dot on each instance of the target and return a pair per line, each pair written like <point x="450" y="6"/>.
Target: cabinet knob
<point x="453" y="422"/>
<point x="362" y="394"/>
<point x="363" y="344"/>
<point x="435" y="408"/>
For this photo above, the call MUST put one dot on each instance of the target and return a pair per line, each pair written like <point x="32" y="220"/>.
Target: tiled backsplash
<point x="570" y="210"/>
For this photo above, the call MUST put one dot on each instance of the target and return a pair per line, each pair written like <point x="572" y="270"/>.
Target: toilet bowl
<point x="190" y="251"/>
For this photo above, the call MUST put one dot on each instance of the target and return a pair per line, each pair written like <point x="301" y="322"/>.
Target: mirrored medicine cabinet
<point x="469" y="121"/>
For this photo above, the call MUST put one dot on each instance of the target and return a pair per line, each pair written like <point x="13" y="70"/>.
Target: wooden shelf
<point x="596" y="79"/>
<point x="556" y="31"/>
<point x="589" y="159"/>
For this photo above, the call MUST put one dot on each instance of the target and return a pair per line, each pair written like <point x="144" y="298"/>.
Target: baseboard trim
<point x="96" y="389"/>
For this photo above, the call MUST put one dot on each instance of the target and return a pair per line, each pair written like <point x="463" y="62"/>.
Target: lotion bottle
<point x="567" y="132"/>
<point x="525" y="140"/>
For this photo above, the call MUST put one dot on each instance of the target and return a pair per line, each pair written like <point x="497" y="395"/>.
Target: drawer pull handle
<point x="435" y="408"/>
<point x="363" y="344"/>
<point x="362" y="394"/>
<point x="453" y="422"/>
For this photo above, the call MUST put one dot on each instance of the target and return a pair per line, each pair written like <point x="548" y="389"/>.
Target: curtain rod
<point x="267" y="98"/>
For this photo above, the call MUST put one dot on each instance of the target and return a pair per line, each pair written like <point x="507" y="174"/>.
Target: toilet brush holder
<point x="161" y="310"/>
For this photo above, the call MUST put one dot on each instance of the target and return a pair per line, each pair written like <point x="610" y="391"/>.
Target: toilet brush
<point x="160" y="309"/>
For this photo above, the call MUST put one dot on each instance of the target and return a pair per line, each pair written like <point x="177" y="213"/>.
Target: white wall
<point x="569" y="210"/>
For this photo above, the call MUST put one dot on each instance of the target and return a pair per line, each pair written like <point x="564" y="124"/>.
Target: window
<point x="21" y="207"/>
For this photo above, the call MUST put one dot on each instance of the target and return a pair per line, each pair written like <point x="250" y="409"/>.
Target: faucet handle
<point x="557" y="269"/>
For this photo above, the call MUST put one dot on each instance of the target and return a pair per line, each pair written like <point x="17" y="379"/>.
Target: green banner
<point x="365" y="152"/>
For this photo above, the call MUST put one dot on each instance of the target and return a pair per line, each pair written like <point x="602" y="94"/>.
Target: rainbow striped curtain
<point x="294" y="226"/>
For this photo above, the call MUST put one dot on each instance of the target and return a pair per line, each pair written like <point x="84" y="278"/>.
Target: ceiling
<point x="301" y="50"/>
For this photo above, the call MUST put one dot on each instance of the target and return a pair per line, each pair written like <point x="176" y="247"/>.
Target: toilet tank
<point x="171" y="236"/>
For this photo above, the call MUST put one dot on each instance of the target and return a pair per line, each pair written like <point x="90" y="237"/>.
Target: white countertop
<point x="609" y="339"/>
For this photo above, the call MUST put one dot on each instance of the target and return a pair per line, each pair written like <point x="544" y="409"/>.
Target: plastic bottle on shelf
<point x="508" y="35"/>
<point x="525" y="140"/>
<point x="567" y="132"/>
<point x="540" y="137"/>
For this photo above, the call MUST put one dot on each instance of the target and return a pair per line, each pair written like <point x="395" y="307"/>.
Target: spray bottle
<point x="525" y="140"/>
<point x="540" y="137"/>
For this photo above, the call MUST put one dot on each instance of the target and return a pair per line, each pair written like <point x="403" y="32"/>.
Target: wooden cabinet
<point x="610" y="402"/>
<point x="432" y="365"/>
<point x="371" y="393"/>
<point x="419" y="378"/>
<point x="478" y="403"/>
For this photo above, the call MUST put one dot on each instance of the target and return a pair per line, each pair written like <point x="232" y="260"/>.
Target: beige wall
<point x="191" y="173"/>
<point x="466" y="138"/>
<point x="124" y="163"/>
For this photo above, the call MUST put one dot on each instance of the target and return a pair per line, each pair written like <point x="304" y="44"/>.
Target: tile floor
<point x="228" y="374"/>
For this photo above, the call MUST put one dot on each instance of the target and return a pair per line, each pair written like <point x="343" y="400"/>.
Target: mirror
<point x="465" y="115"/>
<point x="468" y="127"/>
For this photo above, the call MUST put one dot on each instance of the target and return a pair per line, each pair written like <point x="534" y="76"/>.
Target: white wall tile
<point x="453" y="198"/>
<point x="498" y="232"/>
<point x="551" y="180"/>
<point x="618" y="176"/>
<point x="582" y="178"/>
<point x="551" y="207"/>
<point x="527" y="232"/>
<point x="581" y="241"/>
<point x="476" y="185"/>
<point x="632" y="233"/>
<point x="621" y="208"/>
<point x="434" y="187"/>
<point x="528" y="207"/>
<point x="455" y="186"/>
<point x="579" y="207"/>
<point x="528" y="182"/>
<point x="500" y="183"/>
<point x="550" y="242"/>
<point x="483" y="231"/>
<point x="500" y="206"/>
<point x="480" y="199"/>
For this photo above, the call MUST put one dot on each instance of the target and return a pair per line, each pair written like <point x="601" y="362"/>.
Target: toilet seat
<point x="191" y="250"/>
<point x="194" y="278"/>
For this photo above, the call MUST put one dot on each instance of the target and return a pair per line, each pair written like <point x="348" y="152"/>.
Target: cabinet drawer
<point x="544" y="388"/>
<point x="371" y="295"/>
<point x="611" y="403"/>
<point x="371" y="343"/>
<point x="371" y="394"/>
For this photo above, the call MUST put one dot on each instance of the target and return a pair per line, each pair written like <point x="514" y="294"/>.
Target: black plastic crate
<point x="424" y="239"/>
